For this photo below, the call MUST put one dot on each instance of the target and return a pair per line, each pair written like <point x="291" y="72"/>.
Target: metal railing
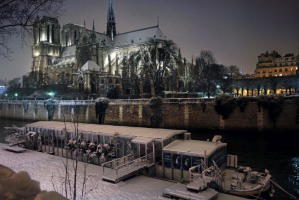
<point x="114" y="170"/>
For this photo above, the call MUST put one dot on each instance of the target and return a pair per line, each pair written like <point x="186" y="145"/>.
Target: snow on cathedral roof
<point x="68" y="55"/>
<point x="90" y="66"/>
<point x="69" y="51"/>
<point x="138" y="36"/>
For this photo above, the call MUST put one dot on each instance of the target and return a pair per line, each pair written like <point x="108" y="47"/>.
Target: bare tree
<point x="17" y="18"/>
<point x="209" y="74"/>
<point x="234" y="71"/>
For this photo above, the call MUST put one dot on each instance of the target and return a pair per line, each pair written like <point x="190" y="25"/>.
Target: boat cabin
<point x="180" y="155"/>
<point x="126" y="140"/>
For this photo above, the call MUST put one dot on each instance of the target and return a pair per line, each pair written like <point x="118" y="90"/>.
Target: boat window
<point x="177" y="161"/>
<point x="196" y="161"/>
<point x="186" y="162"/>
<point x="167" y="159"/>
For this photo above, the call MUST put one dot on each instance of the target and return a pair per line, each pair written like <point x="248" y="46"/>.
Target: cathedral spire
<point x="93" y="34"/>
<point x="111" y="29"/>
<point x="93" y="28"/>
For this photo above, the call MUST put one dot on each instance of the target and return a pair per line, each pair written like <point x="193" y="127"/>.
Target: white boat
<point x="240" y="181"/>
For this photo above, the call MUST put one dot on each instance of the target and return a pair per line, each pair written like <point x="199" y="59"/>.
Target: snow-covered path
<point x="49" y="169"/>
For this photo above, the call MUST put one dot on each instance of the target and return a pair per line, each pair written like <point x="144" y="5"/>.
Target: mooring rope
<point x="261" y="190"/>
<point x="276" y="184"/>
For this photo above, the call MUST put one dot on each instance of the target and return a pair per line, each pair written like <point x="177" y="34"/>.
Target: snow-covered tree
<point x="158" y="60"/>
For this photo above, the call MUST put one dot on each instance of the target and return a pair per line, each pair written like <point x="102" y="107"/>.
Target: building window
<point x="280" y="70"/>
<point x="275" y="70"/>
<point x="48" y="33"/>
<point x="286" y="69"/>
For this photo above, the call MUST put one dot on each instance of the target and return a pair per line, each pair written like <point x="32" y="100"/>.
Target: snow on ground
<point x="49" y="171"/>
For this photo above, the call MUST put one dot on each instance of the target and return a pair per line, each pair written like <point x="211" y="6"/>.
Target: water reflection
<point x="294" y="173"/>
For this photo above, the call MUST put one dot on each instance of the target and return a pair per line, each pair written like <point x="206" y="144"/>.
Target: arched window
<point x="53" y="34"/>
<point x="48" y="32"/>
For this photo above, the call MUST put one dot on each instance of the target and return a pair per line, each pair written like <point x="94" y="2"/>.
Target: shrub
<point x="243" y="102"/>
<point x="273" y="104"/>
<point x="224" y="105"/>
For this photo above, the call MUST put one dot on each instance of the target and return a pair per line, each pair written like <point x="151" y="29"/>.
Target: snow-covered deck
<point x="42" y="167"/>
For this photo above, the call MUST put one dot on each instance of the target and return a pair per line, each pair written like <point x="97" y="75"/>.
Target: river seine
<point x="277" y="152"/>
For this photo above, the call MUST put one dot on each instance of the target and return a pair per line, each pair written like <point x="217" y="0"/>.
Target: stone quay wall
<point x="173" y="113"/>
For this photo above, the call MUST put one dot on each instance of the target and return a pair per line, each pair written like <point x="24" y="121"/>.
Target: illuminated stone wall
<point x="181" y="114"/>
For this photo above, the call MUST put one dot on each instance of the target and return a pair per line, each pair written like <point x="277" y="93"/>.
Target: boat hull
<point x="238" y="182"/>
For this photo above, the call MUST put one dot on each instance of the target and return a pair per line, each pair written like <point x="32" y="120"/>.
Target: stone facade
<point x="273" y="64"/>
<point x="186" y="114"/>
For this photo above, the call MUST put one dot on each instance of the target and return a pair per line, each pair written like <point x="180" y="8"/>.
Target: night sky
<point x="235" y="31"/>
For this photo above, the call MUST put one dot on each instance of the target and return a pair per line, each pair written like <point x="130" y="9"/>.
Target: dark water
<point x="277" y="152"/>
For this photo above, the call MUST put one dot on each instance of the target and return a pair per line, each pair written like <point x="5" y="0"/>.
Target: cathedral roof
<point x="90" y="66"/>
<point x="103" y="39"/>
<point x="69" y="51"/>
<point x="138" y="36"/>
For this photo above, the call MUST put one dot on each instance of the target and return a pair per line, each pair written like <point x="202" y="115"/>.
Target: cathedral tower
<point x="46" y="46"/>
<point x="111" y="29"/>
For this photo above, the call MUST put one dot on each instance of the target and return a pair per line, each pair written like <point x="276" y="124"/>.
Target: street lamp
<point x="16" y="95"/>
<point x="51" y="94"/>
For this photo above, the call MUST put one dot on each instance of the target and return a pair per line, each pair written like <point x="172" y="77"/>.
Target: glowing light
<point x="43" y="37"/>
<point x="51" y="94"/>
<point x="36" y="53"/>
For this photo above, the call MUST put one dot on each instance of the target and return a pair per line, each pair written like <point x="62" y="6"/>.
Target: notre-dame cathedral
<point x="85" y="59"/>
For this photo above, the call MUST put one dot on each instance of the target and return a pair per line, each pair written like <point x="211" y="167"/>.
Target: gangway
<point x="122" y="168"/>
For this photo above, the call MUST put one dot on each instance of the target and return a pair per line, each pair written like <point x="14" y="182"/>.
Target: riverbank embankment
<point x="263" y="115"/>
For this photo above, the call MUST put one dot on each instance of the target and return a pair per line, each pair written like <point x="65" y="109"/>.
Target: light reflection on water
<point x="276" y="152"/>
<point x="294" y="175"/>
